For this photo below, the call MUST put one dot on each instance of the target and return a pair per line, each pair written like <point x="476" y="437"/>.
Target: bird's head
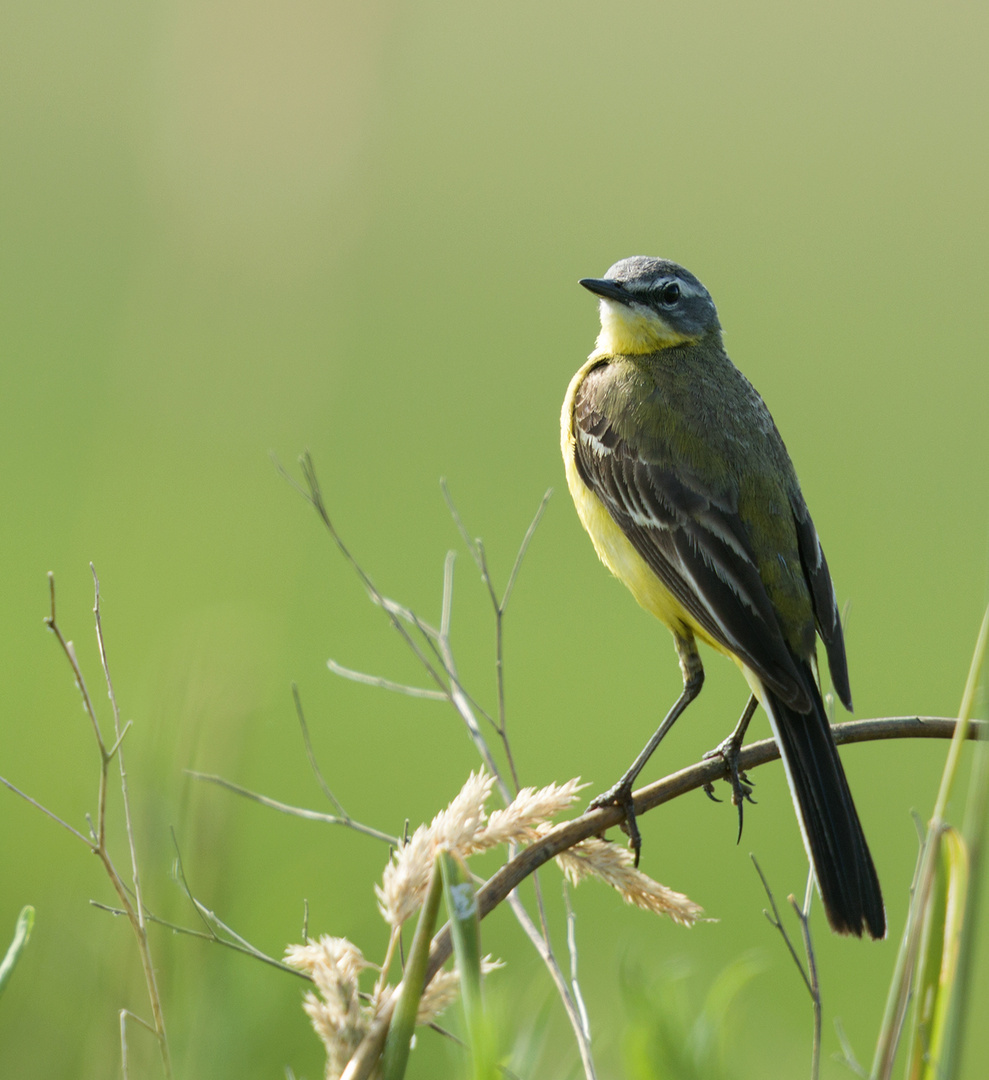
<point x="651" y="304"/>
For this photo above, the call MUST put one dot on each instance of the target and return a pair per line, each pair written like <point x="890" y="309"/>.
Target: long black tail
<point x="829" y="822"/>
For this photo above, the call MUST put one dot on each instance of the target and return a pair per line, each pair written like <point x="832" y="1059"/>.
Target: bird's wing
<point x="825" y="602"/>
<point x="692" y="539"/>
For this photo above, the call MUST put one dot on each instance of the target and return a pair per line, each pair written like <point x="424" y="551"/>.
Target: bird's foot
<point x="741" y="787"/>
<point x="621" y="796"/>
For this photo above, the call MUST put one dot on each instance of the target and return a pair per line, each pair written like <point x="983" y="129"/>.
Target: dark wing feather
<point x="825" y="603"/>
<point x="696" y="544"/>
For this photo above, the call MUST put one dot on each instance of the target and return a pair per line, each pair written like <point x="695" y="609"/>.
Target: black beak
<point x="612" y="290"/>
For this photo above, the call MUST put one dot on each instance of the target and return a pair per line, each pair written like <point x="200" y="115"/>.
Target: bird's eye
<point x="670" y="293"/>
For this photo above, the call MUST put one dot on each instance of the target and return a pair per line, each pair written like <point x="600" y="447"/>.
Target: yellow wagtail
<point x="690" y="498"/>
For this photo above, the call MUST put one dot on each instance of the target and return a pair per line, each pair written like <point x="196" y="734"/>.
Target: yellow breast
<point x="613" y="547"/>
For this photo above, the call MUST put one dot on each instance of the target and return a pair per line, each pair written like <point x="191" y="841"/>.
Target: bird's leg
<point x="728" y="751"/>
<point x="621" y="794"/>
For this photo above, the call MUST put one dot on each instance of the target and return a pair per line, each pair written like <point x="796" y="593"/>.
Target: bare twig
<point x="777" y="924"/>
<point x="459" y="698"/>
<point x="814" y="985"/>
<point x="236" y="944"/>
<point x="211" y="921"/>
<point x="397" y="614"/>
<point x="524" y="547"/>
<point x="124" y="1016"/>
<point x="311" y="755"/>
<point x="140" y="927"/>
<point x="294" y="811"/>
<point x="386" y="684"/>
<point x="847" y="1056"/>
<point x="70" y="654"/>
<point x="48" y="813"/>
<point x="132" y="907"/>
<point x="572" y="949"/>
<point x="542" y="946"/>
<point x="476" y="548"/>
<point x="432" y="659"/>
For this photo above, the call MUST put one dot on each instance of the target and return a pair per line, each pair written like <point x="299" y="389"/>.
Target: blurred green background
<point x="237" y="229"/>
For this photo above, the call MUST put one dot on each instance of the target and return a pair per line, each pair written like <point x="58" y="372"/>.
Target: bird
<point x="683" y="482"/>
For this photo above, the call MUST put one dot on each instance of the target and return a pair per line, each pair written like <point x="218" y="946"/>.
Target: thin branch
<point x="210" y="920"/>
<point x="406" y="614"/>
<point x="133" y="908"/>
<point x="294" y="811"/>
<point x="542" y="946"/>
<point x="585" y="1022"/>
<point x="102" y="647"/>
<point x="210" y="935"/>
<point x="467" y="707"/>
<point x="397" y="614"/>
<point x="446" y="609"/>
<point x="124" y="1016"/>
<point x="776" y="922"/>
<point x="118" y="742"/>
<point x="311" y="755"/>
<point x="141" y="929"/>
<point x="458" y="696"/>
<point x="847" y="1056"/>
<point x="90" y="843"/>
<point x="469" y="541"/>
<point x="477" y="550"/>
<point x="138" y="1019"/>
<point x="386" y="684"/>
<point x="803" y="915"/>
<point x="570" y="996"/>
<point x="524" y="547"/>
<point x="70" y="654"/>
<point x="499" y="617"/>
<point x="315" y="497"/>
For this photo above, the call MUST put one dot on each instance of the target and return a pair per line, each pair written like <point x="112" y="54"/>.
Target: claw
<point x="741" y="787"/>
<point x="621" y="796"/>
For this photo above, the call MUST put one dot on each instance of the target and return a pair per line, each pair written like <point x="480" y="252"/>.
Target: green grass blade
<point x="465" y="927"/>
<point x="973" y="834"/>
<point x="935" y="984"/>
<point x="398" y="1042"/>
<point x="22" y="932"/>
<point x="957" y="877"/>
